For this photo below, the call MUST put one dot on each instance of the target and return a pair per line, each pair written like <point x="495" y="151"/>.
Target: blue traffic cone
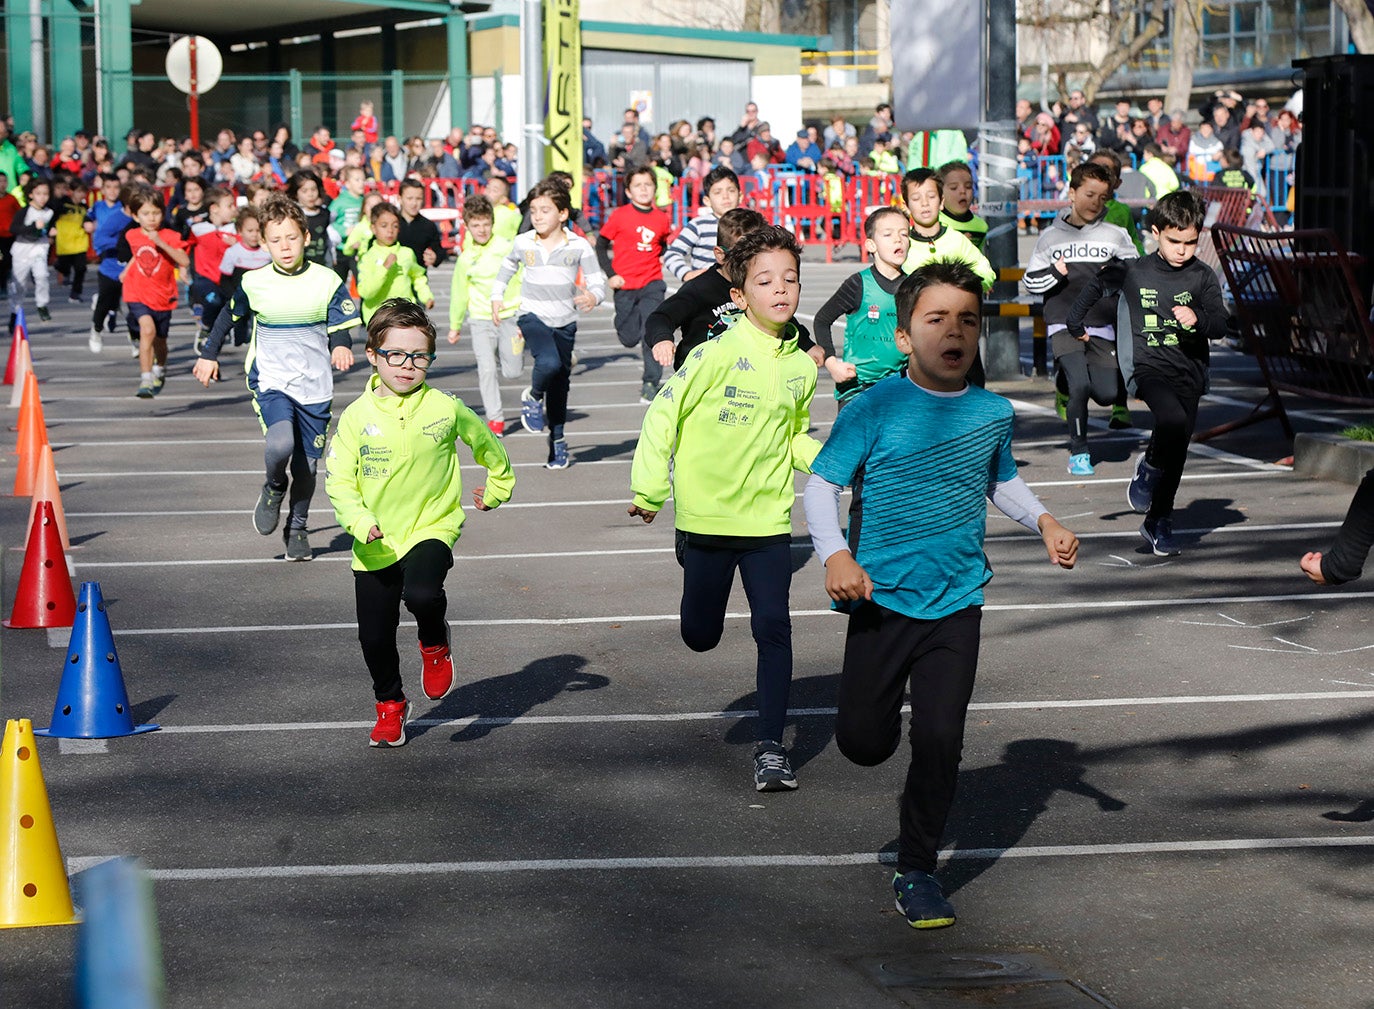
<point x="92" y="702"/>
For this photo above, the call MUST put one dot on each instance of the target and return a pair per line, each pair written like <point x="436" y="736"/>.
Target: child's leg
<point x="78" y="275"/>
<point x="147" y="334"/>
<point x="281" y="445"/>
<point x="485" y="338"/>
<point x="423" y="590"/>
<point x="1073" y="365"/>
<point x="308" y="426"/>
<point x="21" y="272"/>
<point x="547" y="361"/>
<point x="767" y="576"/>
<point x="556" y="396"/>
<point x="378" y="595"/>
<point x="1174" y="417"/>
<point x="707" y="574"/>
<point x="646" y="302"/>
<point x="39" y="270"/>
<point x="162" y="324"/>
<point x="872" y="683"/>
<point x="107" y="295"/>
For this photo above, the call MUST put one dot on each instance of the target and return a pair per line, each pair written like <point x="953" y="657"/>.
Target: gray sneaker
<point x="297" y="545"/>
<point x="772" y="770"/>
<point x="268" y="512"/>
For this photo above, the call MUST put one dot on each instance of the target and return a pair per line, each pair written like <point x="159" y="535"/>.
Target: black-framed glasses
<point x="397" y="358"/>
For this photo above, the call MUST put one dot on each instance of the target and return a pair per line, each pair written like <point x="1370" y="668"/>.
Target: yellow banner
<point x="563" y="99"/>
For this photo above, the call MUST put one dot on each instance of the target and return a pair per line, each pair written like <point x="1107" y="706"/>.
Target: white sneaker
<point x="133" y="351"/>
<point x="95" y="342"/>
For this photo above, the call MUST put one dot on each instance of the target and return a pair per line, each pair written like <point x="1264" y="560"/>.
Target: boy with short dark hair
<point x="388" y="269"/>
<point x="210" y="240"/>
<point x="956" y="183"/>
<point x="1171" y="305"/>
<point x="302" y="315"/>
<point x="923" y="196"/>
<point x="692" y="252"/>
<point x="933" y="449"/>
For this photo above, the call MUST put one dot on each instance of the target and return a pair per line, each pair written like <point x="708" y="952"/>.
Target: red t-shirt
<point x="638" y="238"/>
<point x="152" y="278"/>
<point x="211" y="243"/>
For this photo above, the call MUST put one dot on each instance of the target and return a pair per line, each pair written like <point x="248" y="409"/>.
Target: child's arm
<point x="206" y="368"/>
<point x="1207" y="314"/>
<point x="490" y="454"/>
<point x="968" y="252"/>
<point x="592" y="277"/>
<point x="649" y="480"/>
<point x="672" y="314"/>
<point x="844" y="301"/>
<point x="1106" y="280"/>
<point x="1043" y="275"/>
<point x="374" y="275"/>
<point x="804" y="447"/>
<point x="340" y="318"/>
<point x="509" y="265"/>
<point x="342" y="486"/>
<point x="1344" y="562"/>
<point x="457" y="298"/>
<point x="604" y="251"/>
<point x="1018" y="502"/>
<point x="845" y="578"/>
<point x="173" y="252"/>
<point x="677" y="258"/>
<point x="419" y="281"/>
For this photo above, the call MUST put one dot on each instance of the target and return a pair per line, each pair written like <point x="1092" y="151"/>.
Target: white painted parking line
<point x="668" y="619"/>
<point x="81" y="747"/>
<point x="677" y="863"/>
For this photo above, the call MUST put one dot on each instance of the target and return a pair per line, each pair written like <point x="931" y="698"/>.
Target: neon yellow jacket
<point x="405" y="278"/>
<point x="474" y="273"/>
<point x="505" y="221"/>
<point x="393" y="463"/>
<point x="359" y="239"/>
<point x="733" y="423"/>
<point x="949" y="245"/>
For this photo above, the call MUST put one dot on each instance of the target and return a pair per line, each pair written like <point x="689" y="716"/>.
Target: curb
<point x="1332" y="457"/>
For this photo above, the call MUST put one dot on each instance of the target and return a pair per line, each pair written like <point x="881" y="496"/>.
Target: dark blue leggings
<point x="552" y="350"/>
<point x="766" y="571"/>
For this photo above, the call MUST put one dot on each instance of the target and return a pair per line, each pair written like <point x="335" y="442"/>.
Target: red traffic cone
<point x="45" y="597"/>
<point x="20" y="336"/>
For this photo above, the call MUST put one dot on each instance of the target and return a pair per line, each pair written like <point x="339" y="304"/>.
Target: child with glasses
<point x="392" y="474"/>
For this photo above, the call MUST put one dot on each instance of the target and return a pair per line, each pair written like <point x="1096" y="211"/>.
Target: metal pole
<point x="38" y="83"/>
<point x="532" y="79"/>
<point x="99" y="73"/>
<point x="997" y="167"/>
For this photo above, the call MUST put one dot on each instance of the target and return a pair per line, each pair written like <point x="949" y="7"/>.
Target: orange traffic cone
<point x="23" y="366"/>
<point x="33" y="878"/>
<point x="30" y="408"/>
<point x="45" y="488"/>
<point x="32" y="439"/>
<point x="45" y="597"/>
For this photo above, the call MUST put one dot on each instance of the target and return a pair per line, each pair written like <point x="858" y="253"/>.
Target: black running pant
<point x="1091" y="373"/>
<point x="73" y="263"/>
<point x="1175" y="416"/>
<point x="108" y="294"/>
<point x="885" y="650"/>
<point x="418" y="580"/>
<point x="766" y="571"/>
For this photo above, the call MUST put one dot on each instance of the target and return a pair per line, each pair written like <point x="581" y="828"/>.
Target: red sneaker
<point x="390" y="729"/>
<point x="498" y="427"/>
<point x="437" y="675"/>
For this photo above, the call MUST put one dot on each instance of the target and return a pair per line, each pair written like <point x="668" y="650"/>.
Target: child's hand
<point x="453" y="336"/>
<point x="1061" y="544"/>
<point x="845" y="580"/>
<point x="663" y="353"/>
<point x="817" y="355"/>
<point x="429" y="303"/>
<point x="205" y="371"/>
<point x="374" y="534"/>
<point x="585" y="301"/>
<point x="389" y="261"/>
<point x="1311" y="565"/>
<point x="644" y="513"/>
<point x="615" y="282"/>
<point x="1186" y="317"/>
<point x="342" y="358"/>
<point x="496" y="307"/>
<point x="840" y="371"/>
<point x="477" y="494"/>
<point x="1061" y="267"/>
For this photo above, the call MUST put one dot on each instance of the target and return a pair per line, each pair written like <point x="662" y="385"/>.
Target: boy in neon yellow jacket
<point x="733" y="423"/>
<point x="392" y="475"/>
<point x="388" y="269"/>
<point x="932" y="240"/>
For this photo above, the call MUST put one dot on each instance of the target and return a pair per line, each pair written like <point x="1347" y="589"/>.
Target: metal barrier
<point x="1302" y="315"/>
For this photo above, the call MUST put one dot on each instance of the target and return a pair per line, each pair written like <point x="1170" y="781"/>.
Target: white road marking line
<point x="676" y="863"/>
<point x="77" y="747"/>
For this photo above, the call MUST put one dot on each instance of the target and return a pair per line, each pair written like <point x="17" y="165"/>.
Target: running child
<point x="210" y="240"/>
<point x="360" y="239"/>
<point x="722" y="439"/>
<point x="1067" y="255"/>
<point x="692" y="252"/>
<point x="505" y="214"/>
<point x="31" y="230"/>
<point x="933" y="448"/>
<point x="192" y="209"/>
<point x="388" y="269"/>
<point x="71" y="243"/>
<point x="345" y="210"/>
<point x="1173" y="307"/>
<point x="956" y="182"/>
<point x="302" y="315"/>
<point x="307" y="190"/>
<point x="550" y="299"/>
<point x="930" y="239"/>
<point x="629" y="248"/>
<point x="150" y="285"/>
<point x="867" y="300"/>
<point x="493" y="342"/>
<point x="106" y="222"/>
<point x="248" y="254"/>
<point x="393" y="477"/>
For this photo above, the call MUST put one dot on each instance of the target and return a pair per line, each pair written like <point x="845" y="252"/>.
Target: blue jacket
<point x="804" y="149"/>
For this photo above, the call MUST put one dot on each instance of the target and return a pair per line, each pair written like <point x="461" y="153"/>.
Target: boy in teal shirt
<point x="722" y="437"/>
<point x="388" y="269"/>
<point x="392" y="474"/>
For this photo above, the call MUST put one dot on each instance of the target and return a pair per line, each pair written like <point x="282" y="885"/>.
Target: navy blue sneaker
<point x="531" y="412"/>
<point x="1159" y="533"/>
<point x="920" y="898"/>
<point x="558" y="456"/>
<point x="1141" y="490"/>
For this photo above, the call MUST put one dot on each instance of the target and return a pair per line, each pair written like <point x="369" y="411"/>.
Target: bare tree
<point x="1361" y="20"/>
<point x="1101" y="37"/>
<point x="1183" y="52"/>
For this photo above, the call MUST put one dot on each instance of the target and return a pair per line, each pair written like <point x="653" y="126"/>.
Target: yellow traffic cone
<point x="33" y="877"/>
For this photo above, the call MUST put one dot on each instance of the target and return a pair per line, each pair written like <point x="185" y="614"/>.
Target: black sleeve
<point x="603" y="255"/>
<point x="1344" y="562"/>
<point x="123" y="252"/>
<point x="435" y="242"/>
<point x="236" y="308"/>
<point x="673" y="313"/>
<point x="844" y="301"/>
<point x="1210" y="308"/>
<point x="22" y="228"/>
<point x="1103" y="282"/>
<point x="804" y="341"/>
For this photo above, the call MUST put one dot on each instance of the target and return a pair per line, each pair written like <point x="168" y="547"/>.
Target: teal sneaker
<point x="1080" y="465"/>
<point x="920" y="898"/>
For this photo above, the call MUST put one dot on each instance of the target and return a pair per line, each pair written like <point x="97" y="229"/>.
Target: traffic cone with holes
<point x="30" y="408"/>
<point x="45" y="488"/>
<point x="22" y="368"/>
<point x="33" y="878"/>
<point x="45" y="596"/>
<point x="20" y="336"/>
<point x="31" y="441"/>
<point x="92" y="702"/>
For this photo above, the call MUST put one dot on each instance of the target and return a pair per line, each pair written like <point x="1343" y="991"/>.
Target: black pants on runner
<point x="766" y="571"/>
<point x="108" y="294"/>
<point x="632" y="310"/>
<point x="418" y="580"/>
<point x="1175" y="416"/>
<point x="885" y="650"/>
<point x="73" y="264"/>
<point x="1090" y="372"/>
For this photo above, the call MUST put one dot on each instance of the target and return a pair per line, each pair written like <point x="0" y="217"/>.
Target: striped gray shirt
<point x="550" y="279"/>
<point x="694" y="247"/>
